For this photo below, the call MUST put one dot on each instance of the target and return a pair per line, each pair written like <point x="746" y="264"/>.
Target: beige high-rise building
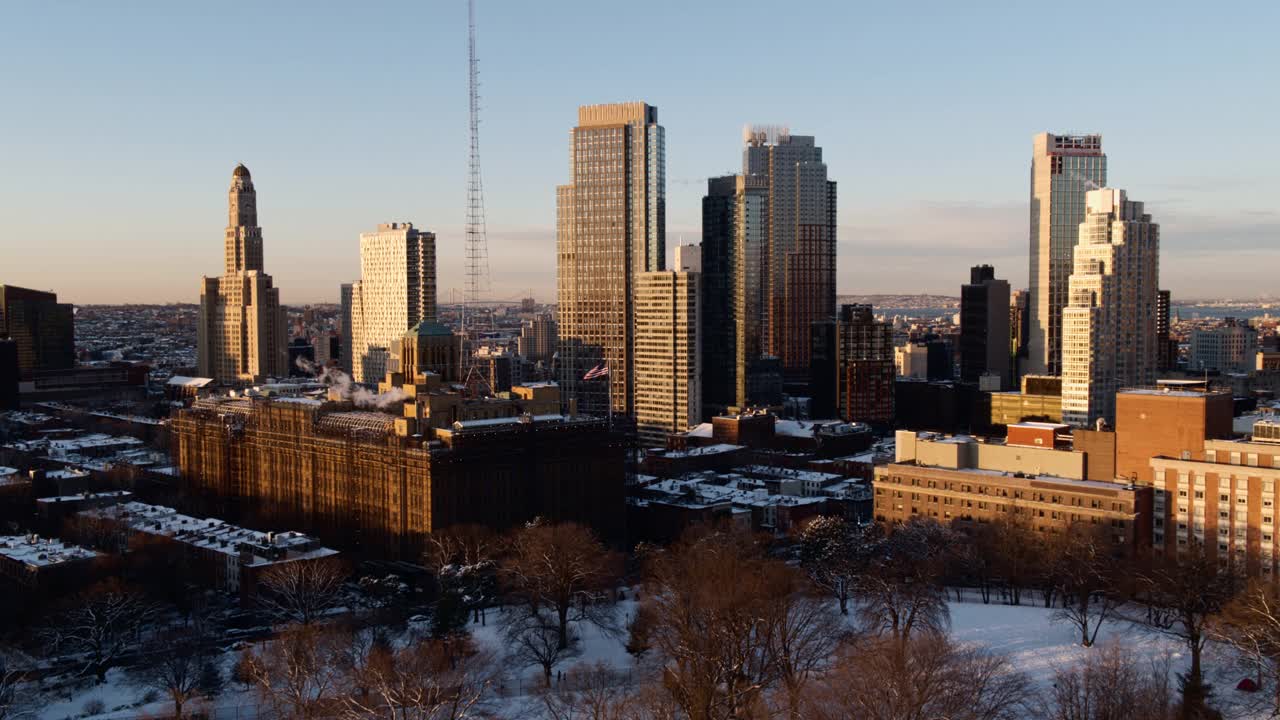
<point x="241" y="335"/>
<point x="1063" y="169"/>
<point x="1109" y="324"/>
<point x="537" y="341"/>
<point x="397" y="290"/>
<point x="610" y="227"/>
<point x="668" y="363"/>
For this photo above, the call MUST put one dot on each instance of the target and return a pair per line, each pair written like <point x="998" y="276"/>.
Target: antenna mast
<point x="477" y="249"/>
<point x="477" y="243"/>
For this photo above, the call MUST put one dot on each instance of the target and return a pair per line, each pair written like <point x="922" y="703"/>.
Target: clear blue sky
<point x="120" y="123"/>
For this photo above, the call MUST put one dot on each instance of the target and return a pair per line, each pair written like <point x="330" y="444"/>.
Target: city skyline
<point x="933" y="154"/>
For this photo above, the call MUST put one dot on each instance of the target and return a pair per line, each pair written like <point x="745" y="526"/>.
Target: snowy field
<point x="1024" y="634"/>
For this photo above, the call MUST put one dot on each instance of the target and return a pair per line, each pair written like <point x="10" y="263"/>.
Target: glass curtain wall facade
<point x="610" y="227"/>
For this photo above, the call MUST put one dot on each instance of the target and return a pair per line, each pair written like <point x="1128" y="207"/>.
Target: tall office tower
<point x="866" y="374"/>
<point x="241" y="335"/>
<point x="345" y="291"/>
<point x="397" y="290"/>
<point x="801" y="242"/>
<point x="537" y="342"/>
<point x="1019" y="330"/>
<point x="610" y="227"/>
<point x="1166" y="345"/>
<point x="1109" y="324"/>
<point x="984" y="327"/>
<point x="1063" y="169"/>
<point x="42" y="328"/>
<point x="688" y="258"/>
<point x="668" y="364"/>
<point x="734" y="234"/>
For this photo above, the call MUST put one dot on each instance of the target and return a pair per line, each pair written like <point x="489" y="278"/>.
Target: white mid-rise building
<point x="912" y="360"/>
<point x="1109" y="324"/>
<point x="397" y="290"/>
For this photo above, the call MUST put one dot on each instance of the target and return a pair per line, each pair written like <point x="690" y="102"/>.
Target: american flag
<point x="599" y="371"/>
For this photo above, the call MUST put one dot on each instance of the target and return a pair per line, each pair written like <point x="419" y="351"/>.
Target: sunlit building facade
<point x="610" y="227"/>
<point x="1063" y="169"/>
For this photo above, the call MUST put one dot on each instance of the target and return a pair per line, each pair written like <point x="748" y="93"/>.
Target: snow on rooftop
<point x="1040" y="425"/>
<point x="1055" y="479"/>
<point x="37" y="552"/>
<point x="716" y="449"/>
<point x="118" y="494"/>
<point x="793" y="428"/>
<point x="214" y="534"/>
<point x="782" y="473"/>
<point x="185" y="381"/>
<point x="298" y="400"/>
<point x="703" y="430"/>
<point x="91" y="441"/>
<point x="66" y="474"/>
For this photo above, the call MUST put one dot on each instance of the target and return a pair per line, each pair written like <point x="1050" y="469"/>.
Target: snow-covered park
<point x="1025" y="634"/>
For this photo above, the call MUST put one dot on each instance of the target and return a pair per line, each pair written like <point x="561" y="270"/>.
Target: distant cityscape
<point x="716" y="488"/>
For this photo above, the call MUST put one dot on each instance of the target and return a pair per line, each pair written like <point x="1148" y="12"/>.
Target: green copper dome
<point x="429" y="329"/>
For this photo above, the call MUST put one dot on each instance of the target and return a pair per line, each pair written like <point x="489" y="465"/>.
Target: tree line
<point x="841" y="620"/>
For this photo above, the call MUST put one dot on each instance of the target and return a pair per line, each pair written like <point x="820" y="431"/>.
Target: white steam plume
<point x="343" y="387"/>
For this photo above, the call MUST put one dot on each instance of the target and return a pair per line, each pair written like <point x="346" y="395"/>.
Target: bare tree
<point x="1181" y="594"/>
<point x="425" y="680"/>
<point x="1084" y="573"/>
<point x="101" y="623"/>
<point x="15" y="702"/>
<point x="301" y="591"/>
<point x="180" y="666"/>
<point x="802" y="635"/>
<point x="464" y="559"/>
<point x="1110" y="684"/>
<point x="299" y="674"/>
<point x="1018" y="554"/>
<point x="562" y="571"/>
<point x="900" y="587"/>
<point x="592" y="692"/>
<point x="536" y="638"/>
<point x="710" y="601"/>
<point x="829" y="547"/>
<point x="1250" y="623"/>
<point x="921" y="678"/>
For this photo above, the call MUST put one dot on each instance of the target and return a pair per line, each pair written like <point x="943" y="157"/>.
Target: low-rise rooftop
<point x="37" y="552"/>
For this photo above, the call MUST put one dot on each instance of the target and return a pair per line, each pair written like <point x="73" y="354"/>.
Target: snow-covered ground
<point x="1024" y="634"/>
